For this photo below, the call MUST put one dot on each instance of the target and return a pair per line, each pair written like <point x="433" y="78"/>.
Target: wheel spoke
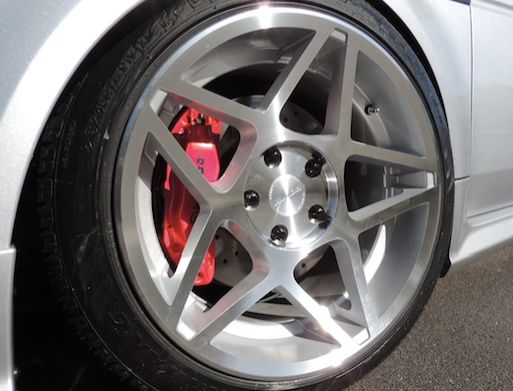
<point x="381" y="211"/>
<point x="238" y="300"/>
<point x="340" y="98"/>
<point x="366" y="153"/>
<point x="223" y="109"/>
<point x="351" y="268"/>
<point x="159" y="139"/>
<point x="181" y="283"/>
<point x="316" y="313"/>
<point x="289" y="78"/>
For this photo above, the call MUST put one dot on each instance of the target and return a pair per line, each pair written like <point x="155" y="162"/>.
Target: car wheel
<point x="248" y="196"/>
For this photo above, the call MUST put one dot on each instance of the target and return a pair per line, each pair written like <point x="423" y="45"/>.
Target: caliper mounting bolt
<point x="279" y="234"/>
<point x="272" y="157"/>
<point x="251" y="199"/>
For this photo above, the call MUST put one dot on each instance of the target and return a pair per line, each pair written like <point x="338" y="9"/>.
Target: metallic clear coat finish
<point x="378" y="280"/>
<point x="493" y="118"/>
<point x="484" y="202"/>
<point x="7" y="258"/>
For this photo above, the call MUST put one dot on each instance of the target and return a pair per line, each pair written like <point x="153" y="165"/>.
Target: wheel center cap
<point x="287" y="195"/>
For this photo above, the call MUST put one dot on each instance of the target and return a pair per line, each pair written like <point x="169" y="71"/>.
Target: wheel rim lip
<point x="133" y="202"/>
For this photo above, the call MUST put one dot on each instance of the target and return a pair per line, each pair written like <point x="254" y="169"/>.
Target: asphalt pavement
<point x="464" y="338"/>
<point x="462" y="341"/>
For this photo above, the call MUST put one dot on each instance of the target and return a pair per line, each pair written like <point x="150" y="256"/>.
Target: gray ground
<point x="464" y="338"/>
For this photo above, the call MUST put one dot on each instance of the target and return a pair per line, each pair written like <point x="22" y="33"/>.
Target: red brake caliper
<point x="199" y="135"/>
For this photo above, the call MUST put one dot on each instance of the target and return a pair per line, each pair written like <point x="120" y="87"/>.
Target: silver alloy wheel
<point x="379" y="185"/>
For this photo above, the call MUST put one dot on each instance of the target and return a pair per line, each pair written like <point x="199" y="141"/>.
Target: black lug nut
<point x="317" y="214"/>
<point x="251" y="199"/>
<point x="272" y="157"/>
<point x="279" y="234"/>
<point x="313" y="167"/>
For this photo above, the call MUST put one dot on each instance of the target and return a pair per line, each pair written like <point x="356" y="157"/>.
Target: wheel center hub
<point x="283" y="187"/>
<point x="287" y="195"/>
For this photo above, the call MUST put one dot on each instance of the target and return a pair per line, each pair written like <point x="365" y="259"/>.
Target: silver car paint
<point x="7" y="258"/>
<point x="484" y="210"/>
<point x="492" y="117"/>
<point x="34" y="72"/>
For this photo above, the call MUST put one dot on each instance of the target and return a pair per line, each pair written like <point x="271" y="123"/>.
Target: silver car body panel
<point x="492" y="116"/>
<point x="7" y="258"/>
<point x="484" y="203"/>
<point x="35" y="71"/>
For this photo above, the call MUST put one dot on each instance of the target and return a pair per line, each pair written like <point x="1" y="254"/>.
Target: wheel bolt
<point x="313" y="167"/>
<point x="317" y="214"/>
<point x="279" y="234"/>
<point x="251" y="199"/>
<point x="272" y="157"/>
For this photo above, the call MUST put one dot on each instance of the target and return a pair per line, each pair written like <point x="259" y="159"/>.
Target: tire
<point x="313" y="239"/>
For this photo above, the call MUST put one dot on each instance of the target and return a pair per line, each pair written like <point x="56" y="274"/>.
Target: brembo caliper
<point x="198" y="135"/>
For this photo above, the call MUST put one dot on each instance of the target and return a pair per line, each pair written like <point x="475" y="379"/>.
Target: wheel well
<point x="132" y="21"/>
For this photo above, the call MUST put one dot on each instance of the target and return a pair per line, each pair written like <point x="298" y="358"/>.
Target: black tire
<point x="85" y="143"/>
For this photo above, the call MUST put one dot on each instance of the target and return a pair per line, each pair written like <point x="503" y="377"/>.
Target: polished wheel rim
<point x="317" y="272"/>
